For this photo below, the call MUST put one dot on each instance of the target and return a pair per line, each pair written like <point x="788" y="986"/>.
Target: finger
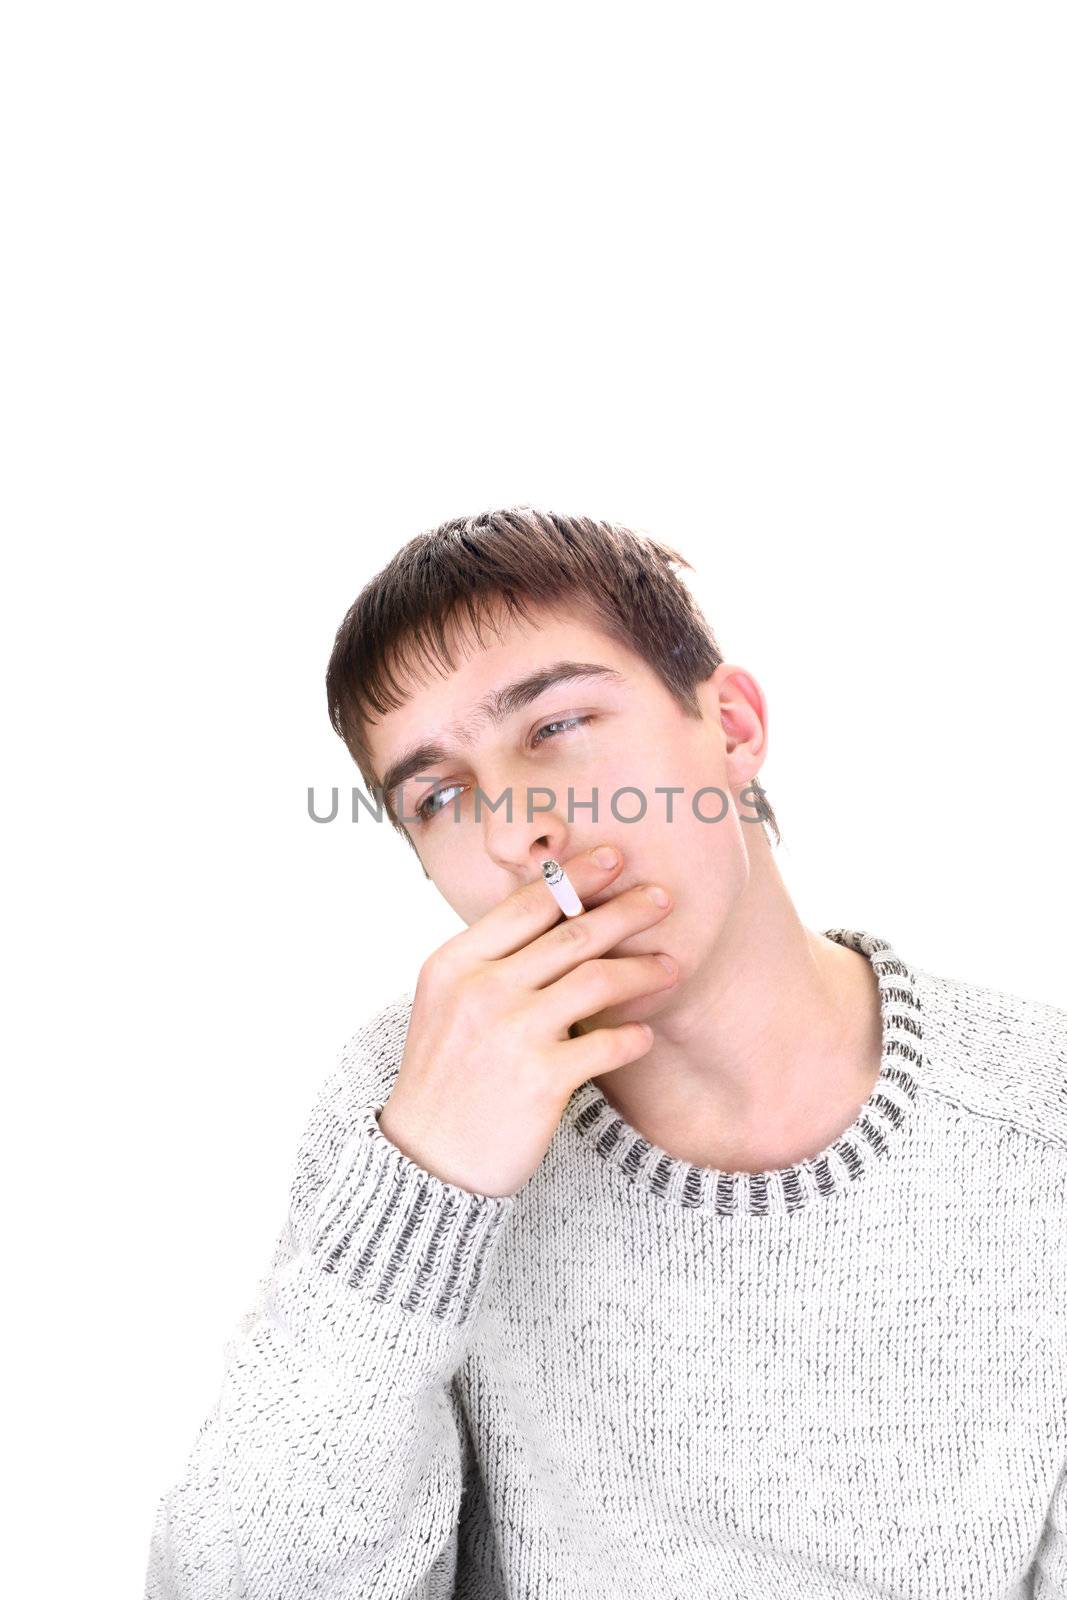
<point x="592" y="1054"/>
<point x="596" y="985"/>
<point x="531" y="909"/>
<point x="576" y="939"/>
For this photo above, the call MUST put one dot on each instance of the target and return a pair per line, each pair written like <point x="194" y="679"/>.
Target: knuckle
<point x="598" y="979"/>
<point x="487" y="978"/>
<point x="440" y="967"/>
<point x="530" y="898"/>
<point x="572" y="935"/>
<point x="630" y="1039"/>
<point x="612" y="1045"/>
<point x="446" y="973"/>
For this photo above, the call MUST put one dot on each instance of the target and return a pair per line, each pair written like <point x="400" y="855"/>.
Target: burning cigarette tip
<point x="563" y="890"/>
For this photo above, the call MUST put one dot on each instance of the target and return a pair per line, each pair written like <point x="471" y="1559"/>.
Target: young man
<point x="767" y="1300"/>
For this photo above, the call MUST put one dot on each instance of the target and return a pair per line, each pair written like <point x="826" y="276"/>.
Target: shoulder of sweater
<point x="996" y="1054"/>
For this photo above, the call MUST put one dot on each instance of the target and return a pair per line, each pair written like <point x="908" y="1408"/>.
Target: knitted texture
<point x="638" y="1377"/>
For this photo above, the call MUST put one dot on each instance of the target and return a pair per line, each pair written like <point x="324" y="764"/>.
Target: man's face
<point x="619" y="731"/>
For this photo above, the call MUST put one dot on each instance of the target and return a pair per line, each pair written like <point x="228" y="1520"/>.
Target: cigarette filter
<point x="563" y="890"/>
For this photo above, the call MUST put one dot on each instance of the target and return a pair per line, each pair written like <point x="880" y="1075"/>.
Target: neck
<point x="770" y="1048"/>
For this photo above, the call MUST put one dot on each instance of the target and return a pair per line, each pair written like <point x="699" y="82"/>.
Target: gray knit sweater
<point x="641" y="1378"/>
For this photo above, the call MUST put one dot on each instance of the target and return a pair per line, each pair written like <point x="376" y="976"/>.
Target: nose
<point x="532" y="834"/>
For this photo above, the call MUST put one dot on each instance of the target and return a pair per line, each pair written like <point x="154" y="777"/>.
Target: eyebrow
<point x="496" y="707"/>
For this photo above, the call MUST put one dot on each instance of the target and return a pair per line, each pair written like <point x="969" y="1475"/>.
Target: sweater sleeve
<point x="332" y="1459"/>
<point x="1049" y="1571"/>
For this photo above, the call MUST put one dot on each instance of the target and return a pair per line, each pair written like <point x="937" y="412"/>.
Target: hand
<point x="488" y="1064"/>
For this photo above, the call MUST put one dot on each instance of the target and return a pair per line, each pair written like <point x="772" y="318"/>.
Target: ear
<point x="736" y="701"/>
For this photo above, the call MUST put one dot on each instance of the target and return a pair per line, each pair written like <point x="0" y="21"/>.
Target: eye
<point x="427" y="808"/>
<point x="563" y="722"/>
<point x="424" y="810"/>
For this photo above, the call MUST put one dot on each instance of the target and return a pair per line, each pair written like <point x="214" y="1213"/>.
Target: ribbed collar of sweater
<point x="878" y="1129"/>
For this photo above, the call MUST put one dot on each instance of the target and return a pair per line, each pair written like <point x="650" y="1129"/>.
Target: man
<point x="766" y="1298"/>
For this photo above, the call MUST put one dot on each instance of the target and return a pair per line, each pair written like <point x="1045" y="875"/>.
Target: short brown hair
<point x="524" y="558"/>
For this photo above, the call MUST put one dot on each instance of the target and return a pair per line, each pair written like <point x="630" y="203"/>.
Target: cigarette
<point x="563" y="890"/>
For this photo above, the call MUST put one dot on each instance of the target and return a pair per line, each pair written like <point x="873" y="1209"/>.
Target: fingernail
<point x="668" y="962"/>
<point x="605" y="856"/>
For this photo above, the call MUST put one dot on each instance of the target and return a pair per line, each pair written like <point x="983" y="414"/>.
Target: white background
<point x="782" y="285"/>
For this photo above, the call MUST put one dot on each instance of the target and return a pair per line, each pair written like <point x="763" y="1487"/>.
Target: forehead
<point x="510" y="648"/>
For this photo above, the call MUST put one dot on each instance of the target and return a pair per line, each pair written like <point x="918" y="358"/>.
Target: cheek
<point x="685" y="813"/>
<point x="719" y="842"/>
<point x="465" y="879"/>
<point x="705" y="864"/>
